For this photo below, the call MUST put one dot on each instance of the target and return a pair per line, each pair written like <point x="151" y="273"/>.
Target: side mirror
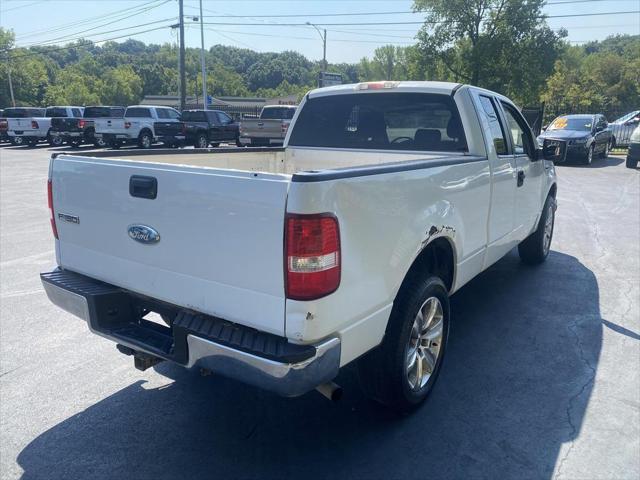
<point x="554" y="150"/>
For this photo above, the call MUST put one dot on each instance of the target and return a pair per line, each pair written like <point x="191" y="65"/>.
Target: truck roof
<point x="427" y="87"/>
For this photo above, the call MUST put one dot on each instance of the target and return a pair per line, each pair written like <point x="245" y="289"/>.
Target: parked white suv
<point x="137" y="126"/>
<point x="277" y="267"/>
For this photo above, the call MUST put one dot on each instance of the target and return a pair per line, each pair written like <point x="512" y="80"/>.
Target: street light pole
<point x="183" y="79"/>
<point x="203" y="61"/>
<point x="324" y="44"/>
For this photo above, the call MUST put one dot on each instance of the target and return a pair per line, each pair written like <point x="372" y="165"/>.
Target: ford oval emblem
<point x="143" y="234"/>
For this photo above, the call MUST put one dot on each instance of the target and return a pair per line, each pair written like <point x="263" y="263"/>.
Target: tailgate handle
<point x="143" y="187"/>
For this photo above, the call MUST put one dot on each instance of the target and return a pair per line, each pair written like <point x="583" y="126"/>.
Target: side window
<point x="173" y="114"/>
<point x="223" y="118"/>
<point x="497" y="131"/>
<point x="76" y="112"/>
<point x="162" y="113"/>
<point x="520" y="131"/>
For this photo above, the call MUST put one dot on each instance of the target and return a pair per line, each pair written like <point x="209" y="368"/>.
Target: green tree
<point x="122" y="86"/>
<point x="504" y="45"/>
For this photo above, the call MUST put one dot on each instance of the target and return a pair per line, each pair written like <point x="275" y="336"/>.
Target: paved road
<point x="541" y="379"/>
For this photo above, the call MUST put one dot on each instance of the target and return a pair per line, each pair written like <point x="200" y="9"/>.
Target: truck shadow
<point x="523" y="351"/>
<point x="609" y="161"/>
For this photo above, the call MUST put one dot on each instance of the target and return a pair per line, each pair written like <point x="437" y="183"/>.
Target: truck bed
<point x="280" y="161"/>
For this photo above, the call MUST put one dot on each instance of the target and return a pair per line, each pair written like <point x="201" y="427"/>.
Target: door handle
<point x="521" y="176"/>
<point x="143" y="187"/>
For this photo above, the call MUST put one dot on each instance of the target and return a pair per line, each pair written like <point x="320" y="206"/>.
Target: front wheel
<point x="535" y="248"/>
<point x="607" y="147"/>
<point x="402" y="371"/>
<point x="55" y="141"/>
<point x="589" y="158"/>
<point x="631" y="163"/>
<point x="99" y="143"/>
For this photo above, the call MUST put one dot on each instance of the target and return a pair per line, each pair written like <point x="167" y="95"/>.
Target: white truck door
<point x="503" y="172"/>
<point x="530" y="173"/>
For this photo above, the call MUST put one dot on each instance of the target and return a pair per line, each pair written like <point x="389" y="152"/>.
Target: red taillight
<point x="312" y="247"/>
<point x="81" y="123"/>
<point x="34" y="124"/>
<point x="52" y="218"/>
<point x="127" y="124"/>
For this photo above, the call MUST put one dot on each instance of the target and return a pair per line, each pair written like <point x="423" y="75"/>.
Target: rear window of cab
<point x="381" y="121"/>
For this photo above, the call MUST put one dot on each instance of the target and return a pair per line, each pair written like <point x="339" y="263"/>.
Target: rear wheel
<point x="145" y="140"/>
<point x="402" y="371"/>
<point x="605" y="152"/>
<point x="535" y="248"/>
<point x="631" y="163"/>
<point x="17" y="141"/>
<point x="114" y="144"/>
<point x="201" y="141"/>
<point x="99" y="143"/>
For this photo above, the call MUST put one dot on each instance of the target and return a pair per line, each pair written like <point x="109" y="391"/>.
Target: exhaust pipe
<point x="330" y="390"/>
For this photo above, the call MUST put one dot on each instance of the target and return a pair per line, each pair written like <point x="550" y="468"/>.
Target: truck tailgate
<point x="270" y="128"/>
<point x="220" y="247"/>
<point x="109" y="125"/>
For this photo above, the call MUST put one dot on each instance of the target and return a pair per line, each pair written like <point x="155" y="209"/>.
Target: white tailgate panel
<point x="221" y="235"/>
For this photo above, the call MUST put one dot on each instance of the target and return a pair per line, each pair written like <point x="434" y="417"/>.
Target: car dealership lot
<point x="541" y="378"/>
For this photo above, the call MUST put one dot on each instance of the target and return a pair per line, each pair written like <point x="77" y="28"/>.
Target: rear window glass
<point x="381" y="121"/>
<point x="23" y="112"/>
<point x="137" y="112"/>
<point x="103" y="112"/>
<point x="277" y="113"/>
<point x="188" y="116"/>
<point x="56" y="112"/>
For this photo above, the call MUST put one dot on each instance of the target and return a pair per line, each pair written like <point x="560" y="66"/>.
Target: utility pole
<point x="324" y="49"/>
<point x="183" y="79"/>
<point x="203" y="61"/>
<point x="13" y="100"/>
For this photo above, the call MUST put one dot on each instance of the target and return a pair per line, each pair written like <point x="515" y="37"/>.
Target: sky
<point x="54" y="22"/>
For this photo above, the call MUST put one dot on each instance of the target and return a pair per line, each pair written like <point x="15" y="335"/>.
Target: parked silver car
<point x="623" y="127"/>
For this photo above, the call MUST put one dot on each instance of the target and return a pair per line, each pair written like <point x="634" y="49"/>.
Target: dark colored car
<point x="199" y="128"/>
<point x="586" y="136"/>
<point x="633" y="154"/>
<point x="76" y="131"/>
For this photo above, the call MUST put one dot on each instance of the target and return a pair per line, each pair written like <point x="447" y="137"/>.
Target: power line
<point x="572" y="15"/>
<point x="87" y="44"/>
<point x="125" y="13"/>
<point x="53" y="41"/>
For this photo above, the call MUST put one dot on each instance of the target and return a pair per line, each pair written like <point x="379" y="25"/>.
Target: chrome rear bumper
<point x="108" y="311"/>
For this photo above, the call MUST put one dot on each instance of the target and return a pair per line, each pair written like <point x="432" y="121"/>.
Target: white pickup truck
<point x="270" y="129"/>
<point x="31" y="130"/>
<point x="137" y="126"/>
<point x="279" y="266"/>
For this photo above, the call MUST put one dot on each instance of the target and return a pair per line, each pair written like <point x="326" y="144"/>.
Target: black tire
<point x="114" y="145"/>
<point x="145" y="140"/>
<point x="631" y="163"/>
<point x="32" y="143"/>
<point x="384" y="373"/>
<point x="201" y="141"/>
<point x="535" y="248"/>
<point x="74" y="143"/>
<point x="99" y="143"/>
<point x="16" y="141"/>
<point x="605" y="152"/>
<point x="589" y="158"/>
<point x="55" y="141"/>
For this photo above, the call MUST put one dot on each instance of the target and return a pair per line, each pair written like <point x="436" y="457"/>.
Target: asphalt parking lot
<point x="542" y="377"/>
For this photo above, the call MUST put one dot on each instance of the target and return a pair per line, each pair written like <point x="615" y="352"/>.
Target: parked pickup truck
<point x="278" y="267"/>
<point x="137" y="126"/>
<point x="199" y="128"/>
<point x="37" y="126"/>
<point x="76" y="131"/>
<point x="18" y="112"/>
<point x="270" y="129"/>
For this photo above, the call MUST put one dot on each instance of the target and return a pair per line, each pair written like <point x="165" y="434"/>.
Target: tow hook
<point x="141" y="360"/>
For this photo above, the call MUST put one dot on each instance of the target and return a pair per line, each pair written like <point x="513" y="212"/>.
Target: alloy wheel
<point x="425" y="343"/>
